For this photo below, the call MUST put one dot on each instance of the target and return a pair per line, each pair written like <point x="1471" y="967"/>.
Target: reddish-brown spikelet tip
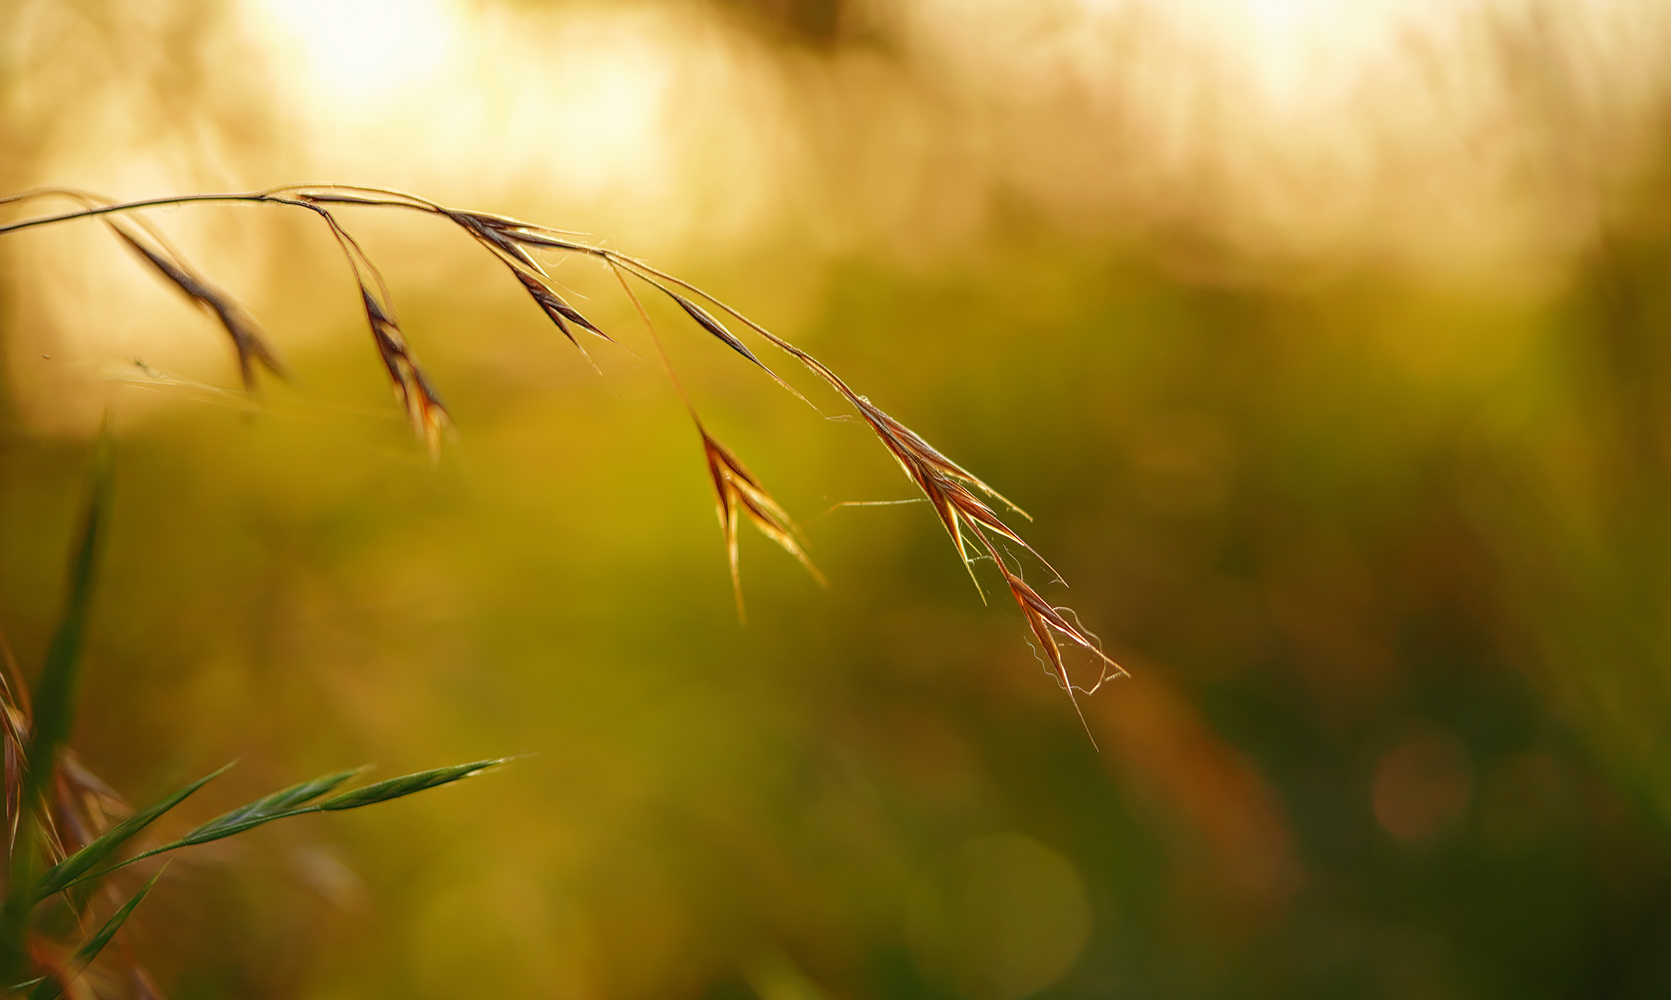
<point x="1047" y="621"/>
<point x="736" y="490"/>
<point x="424" y="409"/>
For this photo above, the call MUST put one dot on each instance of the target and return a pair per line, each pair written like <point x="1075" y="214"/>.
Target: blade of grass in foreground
<point x="407" y="784"/>
<point x="54" y="985"/>
<point x="54" y="709"/>
<point x="60" y="876"/>
<point x="269" y="808"/>
<point x="297" y="800"/>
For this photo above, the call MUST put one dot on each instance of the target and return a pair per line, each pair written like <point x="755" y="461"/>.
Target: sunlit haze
<point x="1325" y="343"/>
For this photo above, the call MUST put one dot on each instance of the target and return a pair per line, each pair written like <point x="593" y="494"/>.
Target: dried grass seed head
<point x="950" y="489"/>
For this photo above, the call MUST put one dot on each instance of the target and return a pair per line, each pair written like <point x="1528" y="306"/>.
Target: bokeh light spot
<point x="1002" y="917"/>
<point x="366" y="50"/>
<point x="1422" y="785"/>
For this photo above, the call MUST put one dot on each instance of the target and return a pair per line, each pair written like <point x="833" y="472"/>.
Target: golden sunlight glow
<point x="366" y="50"/>
<point x="1292" y="50"/>
<point x="582" y="107"/>
<point x="1478" y="138"/>
<point x="1398" y="129"/>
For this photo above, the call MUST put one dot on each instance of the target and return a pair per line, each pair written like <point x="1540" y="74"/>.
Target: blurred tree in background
<point x="1330" y="347"/>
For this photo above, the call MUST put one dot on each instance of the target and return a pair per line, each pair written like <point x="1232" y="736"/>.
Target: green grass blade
<point x="54" y="711"/>
<point x="295" y="801"/>
<point x="291" y="801"/>
<point x="59" y="876"/>
<point x="274" y="806"/>
<point x="53" y="986"/>
<point x="394" y="788"/>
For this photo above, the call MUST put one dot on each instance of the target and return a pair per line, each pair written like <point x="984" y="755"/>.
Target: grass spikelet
<point x="247" y="340"/>
<point x="561" y="313"/>
<point x="662" y="282"/>
<point x="498" y="235"/>
<point x="915" y="453"/>
<point x="945" y="484"/>
<point x="406" y="784"/>
<point x="1046" y="622"/>
<point x="268" y="807"/>
<point x="424" y="409"/>
<point x="736" y="490"/>
<point x="509" y="240"/>
<point x="706" y="320"/>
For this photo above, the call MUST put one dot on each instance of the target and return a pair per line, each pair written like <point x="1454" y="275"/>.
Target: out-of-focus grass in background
<point x="1330" y="346"/>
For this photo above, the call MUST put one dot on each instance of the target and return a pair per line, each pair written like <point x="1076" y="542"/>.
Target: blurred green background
<point x="1329" y="347"/>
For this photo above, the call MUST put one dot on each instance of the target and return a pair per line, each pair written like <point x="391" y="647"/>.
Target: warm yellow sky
<point x="1483" y="142"/>
<point x="1480" y="134"/>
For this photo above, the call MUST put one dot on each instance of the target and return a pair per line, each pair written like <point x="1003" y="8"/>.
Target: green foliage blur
<point x="1387" y="552"/>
